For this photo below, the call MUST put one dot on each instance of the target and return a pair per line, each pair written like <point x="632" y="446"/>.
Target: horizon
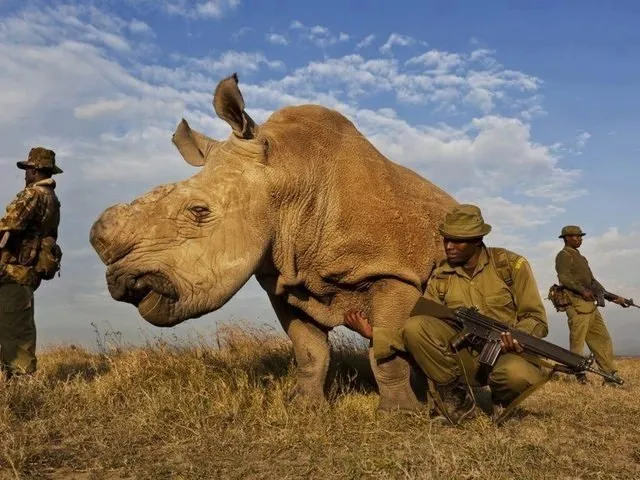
<point x="532" y="104"/>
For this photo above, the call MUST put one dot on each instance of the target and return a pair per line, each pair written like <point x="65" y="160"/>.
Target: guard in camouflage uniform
<point x="585" y="321"/>
<point x="501" y="285"/>
<point x="29" y="254"/>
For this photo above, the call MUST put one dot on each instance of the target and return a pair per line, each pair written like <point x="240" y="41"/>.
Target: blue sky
<point x="527" y="111"/>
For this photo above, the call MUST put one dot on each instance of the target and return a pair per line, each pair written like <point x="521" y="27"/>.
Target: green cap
<point x="41" y="159"/>
<point x="464" y="222"/>
<point x="568" y="230"/>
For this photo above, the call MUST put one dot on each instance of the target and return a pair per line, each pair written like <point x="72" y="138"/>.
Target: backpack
<point x="49" y="259"/>
<point x="500" y="261"/>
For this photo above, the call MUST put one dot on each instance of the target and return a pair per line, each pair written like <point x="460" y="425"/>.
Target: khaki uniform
<point x="427" y="338"/>
<point x="32" y="221"/>
<point x="585" y="321"/>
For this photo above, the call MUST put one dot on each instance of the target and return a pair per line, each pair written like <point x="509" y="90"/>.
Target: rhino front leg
<point x="392" y="302"/>
<point x="311" y="349"/>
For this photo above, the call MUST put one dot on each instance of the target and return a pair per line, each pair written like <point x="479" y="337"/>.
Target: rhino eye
<point x="199" y="211"/>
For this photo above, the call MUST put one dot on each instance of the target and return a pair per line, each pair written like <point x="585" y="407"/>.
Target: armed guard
<point x="500" y="284"/>
<point x="29" y="254"/>
<point x="585" y="320"/>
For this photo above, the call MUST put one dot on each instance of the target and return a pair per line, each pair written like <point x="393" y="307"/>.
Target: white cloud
<point x="495" y="153"/>
<point x="226" y="63"/>
<point x="448" y="79"/>
<point x="200" y="9"/>
<point x="80" y="22"/>
<point x="438" y="61"/>
<point x="365" y="42"/>
<point x="319" y="35"/>
<point x="277" y="39"/>
<point x="396" y="39"/>
<point x="574" y="146"/>
<point x="319" y="30"/>
<point x="140" y="27"/>
<point x="582" y="139"/>
<point x="243" y="31"/>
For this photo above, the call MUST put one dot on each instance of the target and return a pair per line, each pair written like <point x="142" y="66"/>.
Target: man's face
<point x="574" y="240"/>
<point x="29" y="176"/>
<point x="460" y="252"/>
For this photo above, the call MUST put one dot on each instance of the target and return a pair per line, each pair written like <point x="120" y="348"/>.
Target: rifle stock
<point x="484" y="332"/>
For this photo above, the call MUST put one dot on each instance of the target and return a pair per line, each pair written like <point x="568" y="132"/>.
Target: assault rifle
<point x="601" y="295"/>
<point x="478" y="330"/>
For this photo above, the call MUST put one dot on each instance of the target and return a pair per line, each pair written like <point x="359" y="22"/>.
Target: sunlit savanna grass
<point x="221" y="409"/>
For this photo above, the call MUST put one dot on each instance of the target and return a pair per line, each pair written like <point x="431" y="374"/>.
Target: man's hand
<point x="356" y="321"/>
<point x="621" y="301"/>
<point x="509" y="344"/>
<point x="588" y="295"/>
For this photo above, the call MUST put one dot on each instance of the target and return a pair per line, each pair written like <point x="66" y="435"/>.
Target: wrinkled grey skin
<point x="305" y="203"/>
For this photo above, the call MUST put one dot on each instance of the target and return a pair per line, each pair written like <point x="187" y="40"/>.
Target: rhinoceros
<point x="303" y="202"/>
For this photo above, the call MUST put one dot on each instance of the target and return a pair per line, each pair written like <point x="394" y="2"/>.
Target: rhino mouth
<point x="153" y="293"/>
<point x="149" y="285"/>
<point x="140" y="288"/>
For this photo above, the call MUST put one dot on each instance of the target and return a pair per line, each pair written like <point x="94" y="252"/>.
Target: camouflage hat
<point x="41" y="159"/>
<point x="464" y="222"/>
<point x="571" y="230"/>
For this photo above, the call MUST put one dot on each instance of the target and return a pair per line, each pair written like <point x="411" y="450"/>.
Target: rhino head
<point x="184" y="249"/>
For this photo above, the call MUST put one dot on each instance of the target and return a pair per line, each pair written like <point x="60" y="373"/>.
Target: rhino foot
<point x="304" y="396"/>
<point x="398" y="399"/>
<point x="395" y="389"/>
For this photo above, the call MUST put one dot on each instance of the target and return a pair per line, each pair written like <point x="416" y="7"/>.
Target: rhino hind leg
<point x="392" y="301"/>
<point x="394" y="386"/>
<point x="311" y="350"/>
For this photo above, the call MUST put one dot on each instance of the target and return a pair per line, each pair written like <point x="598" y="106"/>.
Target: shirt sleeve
<point x="596" y="283"/>
<point x="387" y="341"/>
<point x="431" y="293"/>
<point x="565" y="276"/>
<point x="531" y="314"/>
<point x="20" y="211"/>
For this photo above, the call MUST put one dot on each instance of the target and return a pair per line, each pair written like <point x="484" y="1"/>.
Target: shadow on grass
<point x="349" y="372"/>
<point x="85" y="369"/>
<point x="266" y="356"/>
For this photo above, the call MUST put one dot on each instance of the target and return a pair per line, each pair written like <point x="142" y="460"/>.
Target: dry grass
<point x="202" y="411"/>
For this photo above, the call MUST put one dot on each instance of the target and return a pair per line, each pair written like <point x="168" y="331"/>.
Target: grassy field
<point x="220" y="409"/>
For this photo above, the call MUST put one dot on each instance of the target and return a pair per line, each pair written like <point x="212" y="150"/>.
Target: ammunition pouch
<point x="36" y="259"/>
<point x="49" y="259"/>
<point x="559" y="298"/>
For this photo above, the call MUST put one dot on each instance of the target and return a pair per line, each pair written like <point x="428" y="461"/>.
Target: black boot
<point x="457" y="401"/>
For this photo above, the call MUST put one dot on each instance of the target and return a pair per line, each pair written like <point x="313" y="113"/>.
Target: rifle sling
<point x="510" y="409"/>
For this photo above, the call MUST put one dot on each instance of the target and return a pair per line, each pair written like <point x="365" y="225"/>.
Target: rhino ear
<point x="193" y="146"/>
<point x="229" y="106"/>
